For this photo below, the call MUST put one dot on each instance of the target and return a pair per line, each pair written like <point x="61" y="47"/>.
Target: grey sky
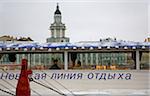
<point x="85" y="19"/>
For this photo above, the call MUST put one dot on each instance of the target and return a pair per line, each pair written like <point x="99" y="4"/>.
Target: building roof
<point x="7" y="38"/>
<point x="147" y="39"/>
<point x="11" y="38"/>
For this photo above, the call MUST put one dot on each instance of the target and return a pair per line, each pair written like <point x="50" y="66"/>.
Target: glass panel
<point x="145" y="60"/>
<point x="35" y="61"/>
<point x="99" y="61"/>
<point x="106" y="61"/>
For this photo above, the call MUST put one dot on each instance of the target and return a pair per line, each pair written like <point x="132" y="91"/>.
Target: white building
<point x="57" y="28"/>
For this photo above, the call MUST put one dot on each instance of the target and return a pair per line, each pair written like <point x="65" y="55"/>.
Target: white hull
<point x="89" y="82"/>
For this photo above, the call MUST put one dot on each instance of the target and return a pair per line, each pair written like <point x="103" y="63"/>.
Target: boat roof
<point x="72" y="46"/>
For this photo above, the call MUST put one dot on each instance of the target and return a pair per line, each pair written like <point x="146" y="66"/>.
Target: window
<point x="144" y="60"/>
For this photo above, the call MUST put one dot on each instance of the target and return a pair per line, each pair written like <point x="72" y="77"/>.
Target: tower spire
<point x="57" y="9"/>
<point x="57" y="6"/>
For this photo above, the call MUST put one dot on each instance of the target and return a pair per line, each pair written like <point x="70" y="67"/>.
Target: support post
<point x="66" y="60"/>
<point x="91" y="58"/>
<point x="137" y="60"/>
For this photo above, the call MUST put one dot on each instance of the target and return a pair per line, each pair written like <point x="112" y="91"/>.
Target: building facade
<point x="57" y="28"/>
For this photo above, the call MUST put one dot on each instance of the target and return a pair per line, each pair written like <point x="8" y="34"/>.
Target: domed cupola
<point x="57" y="10"/>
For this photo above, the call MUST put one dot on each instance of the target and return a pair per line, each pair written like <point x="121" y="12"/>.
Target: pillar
<point x="66" y="60"/>
<point x="137" y="60"/>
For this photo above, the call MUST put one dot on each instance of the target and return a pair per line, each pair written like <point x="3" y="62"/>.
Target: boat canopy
<point x="76" y="45"/>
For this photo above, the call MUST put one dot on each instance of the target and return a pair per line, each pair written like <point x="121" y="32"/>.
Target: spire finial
<point x="57" y="5"/>
<point x="57" y="9"/>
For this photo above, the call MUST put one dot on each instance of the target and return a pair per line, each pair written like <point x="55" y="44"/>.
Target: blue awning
<point x="67" y="45"/>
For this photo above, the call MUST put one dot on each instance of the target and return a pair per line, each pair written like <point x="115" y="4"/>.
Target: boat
<point x="88" y="80"/>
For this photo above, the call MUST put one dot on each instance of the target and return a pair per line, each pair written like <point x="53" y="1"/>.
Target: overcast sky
<point x="85" y="20"/>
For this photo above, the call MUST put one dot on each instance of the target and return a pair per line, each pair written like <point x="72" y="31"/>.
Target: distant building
<point x="7" y="38"/>
<point x="147" y="39"/>
<point x="57" y="28"/>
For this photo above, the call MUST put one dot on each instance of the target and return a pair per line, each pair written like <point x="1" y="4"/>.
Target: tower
<point x="57" y="28"/>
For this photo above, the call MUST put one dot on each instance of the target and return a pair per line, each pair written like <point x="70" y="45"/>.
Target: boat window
<point x="103" y="61"/>
<point x="144" y="60"/>
<point x="36" y="61"/>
